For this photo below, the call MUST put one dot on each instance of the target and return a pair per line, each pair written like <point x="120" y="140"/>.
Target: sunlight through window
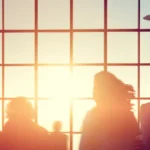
<point x="51" y="50"/>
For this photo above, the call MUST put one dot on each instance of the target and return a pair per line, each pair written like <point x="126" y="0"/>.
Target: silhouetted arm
<point x="88" y="136"/>
<point x="133" y="126"/>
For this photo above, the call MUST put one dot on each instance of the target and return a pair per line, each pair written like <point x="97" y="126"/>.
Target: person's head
<point x="57" y="125"/>
<point x="108" y="89"/>
<point x="20" y="107"/>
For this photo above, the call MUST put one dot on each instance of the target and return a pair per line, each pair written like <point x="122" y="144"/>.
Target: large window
<point x="51" y="49"/>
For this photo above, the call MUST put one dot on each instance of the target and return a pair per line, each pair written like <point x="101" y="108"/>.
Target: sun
<point x="60" y="87"/>
<point x="55" y="83"/>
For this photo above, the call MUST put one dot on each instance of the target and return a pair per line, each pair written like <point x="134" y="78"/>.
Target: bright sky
<point x="88" y="48"/>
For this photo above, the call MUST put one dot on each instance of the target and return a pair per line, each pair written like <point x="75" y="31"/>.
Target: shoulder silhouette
<point x="20" y="131"/>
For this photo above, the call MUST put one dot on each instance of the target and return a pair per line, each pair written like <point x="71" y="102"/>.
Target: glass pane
<point x="88" y="47"/>
<point x="54" y="82"/>
<point x="6" y="102"/>
<point x="0" y="14"/>
<point x="123" y="14"/>
<point x="88" y="14"/>
<point x="76" y="141"/>
<point x="80" y="109"/>
<point x="145" y="47"/>
<point x="53" y="48"/>
<point x="145" y="5"/>
<point x="53" y="14"/>
<point x="83" y="78"/>
<point x="128" y="74"/>
<point x="19" y="81"/>
<point x="145" y="81"/>
<point x="122" y="47"/>
<point x="50" y="111"/>
<point x="19" y="48"/>
<point x="0" y="48"/>
<point x="0" y="115"/>
<point x="19" y="14"/>
<point x="135" y="108"/>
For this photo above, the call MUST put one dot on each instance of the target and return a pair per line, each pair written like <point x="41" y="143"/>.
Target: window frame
<point x="71" y="64"/>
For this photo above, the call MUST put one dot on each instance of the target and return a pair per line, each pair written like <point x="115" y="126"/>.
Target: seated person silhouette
<point x="20" y="131"/>
<point x="145" y="125"/>
<point x="110" y="125"/>
<point x="58" y="140"/>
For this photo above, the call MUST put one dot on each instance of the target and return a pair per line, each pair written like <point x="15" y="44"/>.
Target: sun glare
<point x="54" y="82"/>
<point x="60" y="87"/>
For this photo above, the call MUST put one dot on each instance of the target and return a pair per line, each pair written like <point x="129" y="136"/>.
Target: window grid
<point x="105" y="35"/>
<point x="3" y="75"/>
<point x="71" y="64"/>
<point x="71" y="70"/>
<point x="36" y="57"/>
<point x="138" y="92"/>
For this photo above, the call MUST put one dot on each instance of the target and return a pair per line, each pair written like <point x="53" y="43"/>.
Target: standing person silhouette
<point x="20" y="132"/>
<point x="58" y="140"/>
<point x="110" y="125"/>
<point x="145" y="125"/>
<point x="0" y="140"/>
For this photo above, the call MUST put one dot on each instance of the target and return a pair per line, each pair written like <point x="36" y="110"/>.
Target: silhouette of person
<point x="0" y="140"/>
<point x="20" y="132"/>
<point x="110" y="125"/>
<point x="145" y="125"/>
<point x="58" y="140"/>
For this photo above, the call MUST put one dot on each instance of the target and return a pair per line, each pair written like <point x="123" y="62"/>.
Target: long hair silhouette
<point x="110" y="90"/>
